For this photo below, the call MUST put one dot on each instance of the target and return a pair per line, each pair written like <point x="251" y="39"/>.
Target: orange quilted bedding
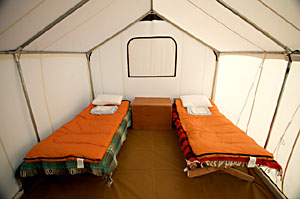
<point x="86" y="136"/>
<point x="216" y="136"/>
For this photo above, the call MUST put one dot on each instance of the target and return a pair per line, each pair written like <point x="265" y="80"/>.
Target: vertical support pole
<point x="17" y="60"/>
<point x="279" y="100"/>
<point x="88" y="58"/>
<point x="289" y="159"/>
<point x="215" y="76"/>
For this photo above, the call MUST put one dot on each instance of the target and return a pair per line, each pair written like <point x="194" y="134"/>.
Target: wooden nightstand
<point x="152" y="113"/>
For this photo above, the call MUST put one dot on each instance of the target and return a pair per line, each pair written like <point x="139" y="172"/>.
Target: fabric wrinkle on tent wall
<point x="255" y="92"/>
<point x="281" y="140"/>
<point x="258" y="73"/>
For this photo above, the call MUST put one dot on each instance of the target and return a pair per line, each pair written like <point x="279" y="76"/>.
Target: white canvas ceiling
<point x="270" y="25"/>
<point x="20" y="20"/>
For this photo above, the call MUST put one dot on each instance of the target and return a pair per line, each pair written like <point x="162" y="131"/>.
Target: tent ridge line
<point x="185" y="31"/>
<point x="287" y="49"/>
<point x="56" y="21"/>
<point x="115" y="34"/>
<point x="282" y="17"/>
<point x="241" y="36"/>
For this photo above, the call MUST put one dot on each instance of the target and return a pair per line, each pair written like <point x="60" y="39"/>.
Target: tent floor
<point x="150" y="165"/>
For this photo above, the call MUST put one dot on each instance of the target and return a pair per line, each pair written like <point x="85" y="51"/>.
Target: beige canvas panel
<point x="262" y="16"/>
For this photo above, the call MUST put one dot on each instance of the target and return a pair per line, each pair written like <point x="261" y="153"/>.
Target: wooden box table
<point x="152" y="113"/>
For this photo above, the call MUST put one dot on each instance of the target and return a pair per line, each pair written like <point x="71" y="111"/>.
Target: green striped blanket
<point x="105" y="168"/>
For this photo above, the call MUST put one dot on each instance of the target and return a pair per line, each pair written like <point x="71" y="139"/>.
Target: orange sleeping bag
<point x="216" y="136"/>
<point x="86" y="136"/>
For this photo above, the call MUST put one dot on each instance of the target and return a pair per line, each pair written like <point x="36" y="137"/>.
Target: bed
<point x="89" y="143"/>
<point x="212" y="142"/>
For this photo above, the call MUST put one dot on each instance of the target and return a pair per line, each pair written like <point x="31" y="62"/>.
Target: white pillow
<point x="195" y="101"/>
<point x="105" y="99"/>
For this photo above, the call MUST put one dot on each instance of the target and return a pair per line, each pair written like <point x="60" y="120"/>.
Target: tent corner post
<point x="278" y="101"/>
<point x="17" y="56"/>
<point x="88" y="59"/>
<point x="213" y="94"/>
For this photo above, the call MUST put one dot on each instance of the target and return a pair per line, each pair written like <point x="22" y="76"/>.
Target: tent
<point x="55" y="56"/>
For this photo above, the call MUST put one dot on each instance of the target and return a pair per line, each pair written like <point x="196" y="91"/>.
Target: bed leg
<point x="109" y="180"/>
<point x="232" y="171"/>
<point x="201" y="171"/>
<point x="239" y="174"/>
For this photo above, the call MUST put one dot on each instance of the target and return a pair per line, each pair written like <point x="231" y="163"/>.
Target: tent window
<point x="151" y="57"/>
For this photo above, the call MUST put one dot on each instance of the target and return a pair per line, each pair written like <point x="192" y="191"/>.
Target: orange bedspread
<point x="86" y="136"/>
<point x="216" y="136"/>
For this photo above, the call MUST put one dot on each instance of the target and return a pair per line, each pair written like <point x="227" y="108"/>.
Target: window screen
<point x="152" y="57"/>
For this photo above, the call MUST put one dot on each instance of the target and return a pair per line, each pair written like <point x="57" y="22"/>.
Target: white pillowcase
<point x="195" y="101"/>
<point x="105" y="99"/>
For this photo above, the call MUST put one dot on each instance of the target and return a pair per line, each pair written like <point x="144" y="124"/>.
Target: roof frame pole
<point x="279" y="99"/>
<point x="17" y="56"/>
<point x="88" y="59"/>
<point x="56" y="21"/>
<point x="186" y="32"/>
<point x="287" y="50"/>
<point x="125" y="28"/>
<point x="213" y="94"/>
<point x="151" y="4"/>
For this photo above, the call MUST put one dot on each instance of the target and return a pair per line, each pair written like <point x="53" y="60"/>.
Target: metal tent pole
<point x="213" y="94"/>
<point x="88" y="58"/>
<point x="17" y="60"/>
<point x="279" y="100"/>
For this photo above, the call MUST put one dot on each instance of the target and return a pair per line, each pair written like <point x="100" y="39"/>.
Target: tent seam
<point x="6" y="155"/>
<point x="226" y="26"/>
<point x="44" y="91"/>
<point x="182" y="38"/>
<point x="122" y="65"/>
<point x="99" y="56"/>
<point x="77" y="26"/>
<point x="22" y="17"/>
<point x="275" y="12"/>
<point x="254" y="25"/>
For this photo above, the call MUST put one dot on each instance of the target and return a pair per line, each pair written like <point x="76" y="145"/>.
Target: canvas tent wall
<point x="226" y="49"/>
